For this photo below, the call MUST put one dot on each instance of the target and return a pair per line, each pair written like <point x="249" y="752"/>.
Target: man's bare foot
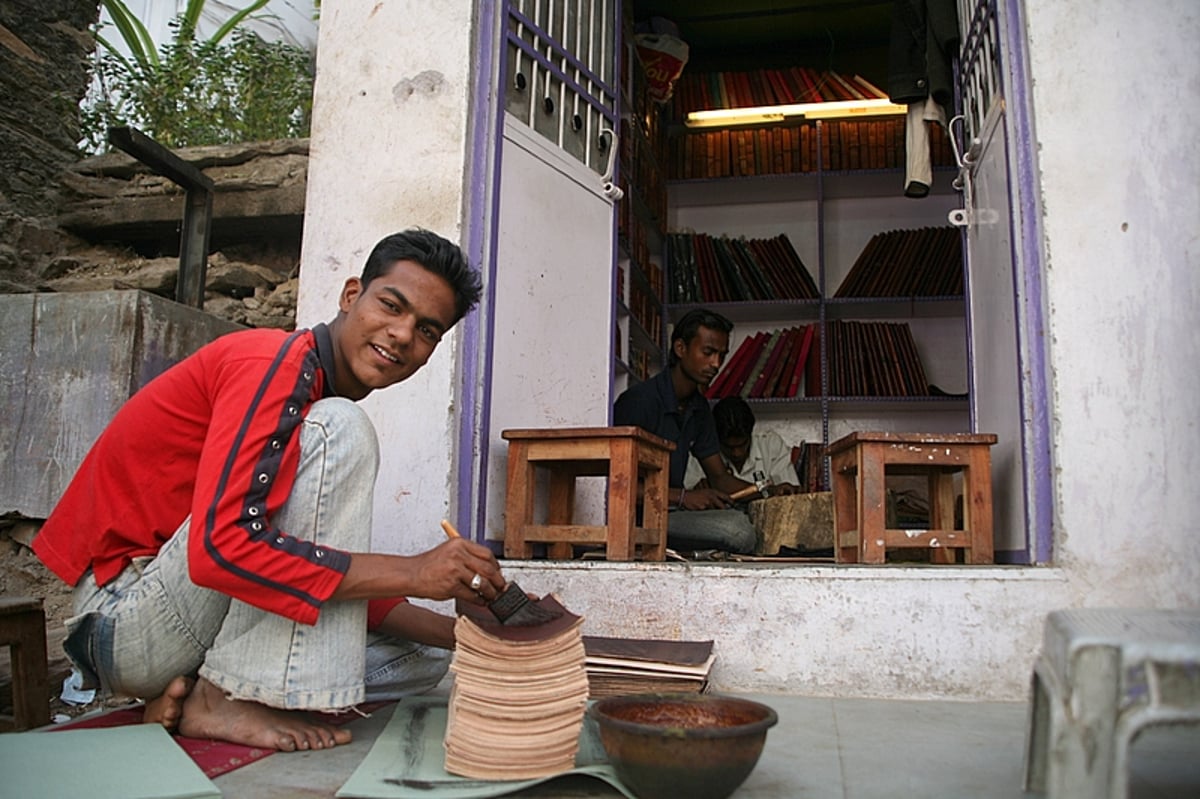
<point x="167" y="709"/>
<point x="208" y="713"/>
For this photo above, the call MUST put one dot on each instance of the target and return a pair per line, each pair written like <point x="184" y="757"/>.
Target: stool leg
<point x="1081" y="760"/>
<point x="654" y="502"/>
<point x="872" y="503"/>
<point x="1037" y="742"/>
<point x="941" y="512"/>
<point x="977" y="506"/>
<point x="30" y="687"/>
<point x="518" y="508"/>
<point x="844" y="471"/>
<point x="561" y="510"/>
<point x="622" y="498"/>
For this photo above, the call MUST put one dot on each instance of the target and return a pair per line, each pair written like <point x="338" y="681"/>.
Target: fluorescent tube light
<point x="725" y="117"/>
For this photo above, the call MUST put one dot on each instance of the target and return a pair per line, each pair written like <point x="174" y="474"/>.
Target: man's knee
<point x="744" y="537"/>
<point x="343" y="425"/>
<point x="339" y="413"/>
<point x="397" y="668"/>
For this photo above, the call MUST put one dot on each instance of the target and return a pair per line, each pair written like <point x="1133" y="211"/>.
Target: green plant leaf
<point x="115" y="53"/>
<point x="236" y="19"/>
<point x="137" y="38"/>
<point x="202" y="92"/>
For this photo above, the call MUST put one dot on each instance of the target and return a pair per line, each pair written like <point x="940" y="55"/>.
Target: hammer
<point x="761" y="486"/>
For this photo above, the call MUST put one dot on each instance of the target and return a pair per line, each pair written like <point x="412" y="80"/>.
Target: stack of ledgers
<point x="619" y="666"/>
<point x="519" y="695"/>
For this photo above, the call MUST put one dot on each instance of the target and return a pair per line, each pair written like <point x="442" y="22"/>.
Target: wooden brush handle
<point x="740" y="494"/>
<point x="449" y="530"/>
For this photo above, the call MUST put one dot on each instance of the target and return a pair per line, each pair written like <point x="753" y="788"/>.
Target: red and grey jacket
<point x="215" y="438"/>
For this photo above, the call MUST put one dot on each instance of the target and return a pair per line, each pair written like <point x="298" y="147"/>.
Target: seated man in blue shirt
<point x="672" y="405"/>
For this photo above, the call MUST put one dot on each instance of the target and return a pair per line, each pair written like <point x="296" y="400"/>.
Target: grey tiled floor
<point x="835" y="748"/>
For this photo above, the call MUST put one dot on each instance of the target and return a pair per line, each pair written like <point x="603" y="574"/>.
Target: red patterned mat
<point x="212" y="756"/>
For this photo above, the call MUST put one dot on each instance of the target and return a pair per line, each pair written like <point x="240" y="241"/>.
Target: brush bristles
<point x="514" y="609"/>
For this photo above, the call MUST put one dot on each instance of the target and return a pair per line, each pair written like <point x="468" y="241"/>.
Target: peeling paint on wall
<point x="427" y="83"/>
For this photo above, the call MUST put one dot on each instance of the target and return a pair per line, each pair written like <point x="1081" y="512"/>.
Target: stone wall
<point x="44" y="46"/>
<point x="125" y="220"/>
<point x="108" y="222"/>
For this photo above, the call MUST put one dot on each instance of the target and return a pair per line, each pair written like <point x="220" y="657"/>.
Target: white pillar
<point x="389" y="138"/>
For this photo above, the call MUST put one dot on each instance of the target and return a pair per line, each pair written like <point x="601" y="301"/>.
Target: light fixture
<point x="837" y="109"/>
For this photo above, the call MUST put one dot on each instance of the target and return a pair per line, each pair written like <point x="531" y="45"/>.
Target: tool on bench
<point x="512" y="607"/>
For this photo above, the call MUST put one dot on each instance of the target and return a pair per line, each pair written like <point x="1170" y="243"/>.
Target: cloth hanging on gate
<point x="924" y="41"/>
<point x="918" y="165"/>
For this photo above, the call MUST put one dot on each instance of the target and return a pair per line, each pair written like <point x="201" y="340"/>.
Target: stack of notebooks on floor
<point x="517" y="704"/>
<point x="619" y="666"/>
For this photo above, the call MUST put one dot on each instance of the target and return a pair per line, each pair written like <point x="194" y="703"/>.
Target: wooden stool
<point x="625" y="454"/>
<point x="23" y="630"/>
<point x="859" y="464"/>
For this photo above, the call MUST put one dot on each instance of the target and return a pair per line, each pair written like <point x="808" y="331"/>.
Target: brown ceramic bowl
<point x="667" y="746"/>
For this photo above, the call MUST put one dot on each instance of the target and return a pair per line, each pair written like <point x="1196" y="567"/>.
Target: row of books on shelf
<point x="640" y="171"/>
<point x="920" y="262"/>
<point x="770" y="365"/>
<point x="865" y="359"/>
<point x="708" y="268"/>
<point x="643" y="271"/>
<point x="924" y="262"/>
<point x="786" y="149"/>
<point x="636" y="235"/>
<point x="873" y="359"/>
<point x="700" y="91"/>
<point x="646" y="310"/>
<point x="640" y="362"/>
<point x="808" y="459"/>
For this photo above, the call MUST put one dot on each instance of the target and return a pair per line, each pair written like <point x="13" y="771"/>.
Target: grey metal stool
<point x="1103" y="675"/>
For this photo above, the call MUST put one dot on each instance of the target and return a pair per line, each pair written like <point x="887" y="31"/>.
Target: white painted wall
<point x="1120" y="183"/>
<point x="1115" y="88"/>
<point x="388" y="152"/>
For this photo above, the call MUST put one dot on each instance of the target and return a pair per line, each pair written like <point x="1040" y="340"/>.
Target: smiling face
<point x="386" y="331"/>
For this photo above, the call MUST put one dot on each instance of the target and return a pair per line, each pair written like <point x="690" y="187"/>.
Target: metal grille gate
<point x="560" y="73"/>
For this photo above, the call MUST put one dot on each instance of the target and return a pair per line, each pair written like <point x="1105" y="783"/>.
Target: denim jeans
<point x="153" y="623"/>
<point x="730" y="530"/>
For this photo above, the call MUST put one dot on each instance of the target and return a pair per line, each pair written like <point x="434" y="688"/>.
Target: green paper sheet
<point x="139" y="761"/>
<point x="407" y="761"/>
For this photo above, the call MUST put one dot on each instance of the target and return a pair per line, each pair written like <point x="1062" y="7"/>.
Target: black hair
<point x="733" y="418"/>
<point x="689" y="326"/>
<point x="436" y="254"/>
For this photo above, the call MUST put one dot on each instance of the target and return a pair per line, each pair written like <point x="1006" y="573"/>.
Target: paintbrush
<point x="512" y="607"/>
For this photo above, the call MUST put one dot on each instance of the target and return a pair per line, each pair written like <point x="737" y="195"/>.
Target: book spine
<point x="776" y="372"/>
<point x="814" y="385"/>
<point x="754" y="377"/>
<point x="723" y="377"/>
<point x="748" y="362"/>
<point x="758" y="390"/>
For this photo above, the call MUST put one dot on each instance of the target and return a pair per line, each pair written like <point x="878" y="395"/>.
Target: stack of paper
<point x="618" y="666"/>
<point x="519" y="696"/>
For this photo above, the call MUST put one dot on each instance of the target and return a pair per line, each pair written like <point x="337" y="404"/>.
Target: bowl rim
<point x="598" y="709"/>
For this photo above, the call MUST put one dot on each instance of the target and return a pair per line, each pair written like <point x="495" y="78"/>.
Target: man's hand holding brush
<point x="472" y="566"/>
<point x="448" y="571"/>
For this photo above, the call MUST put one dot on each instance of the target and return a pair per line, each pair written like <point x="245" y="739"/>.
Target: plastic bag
<point x="664" y="58"/>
